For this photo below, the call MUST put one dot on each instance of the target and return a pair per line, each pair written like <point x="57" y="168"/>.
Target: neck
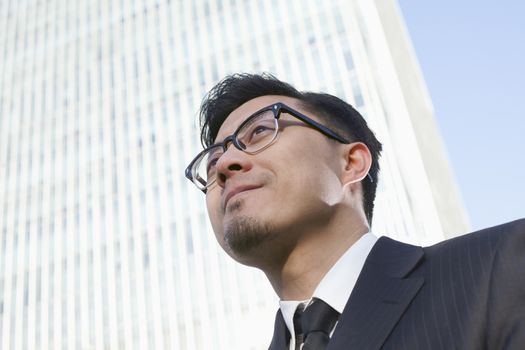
<point x="299" y="273"/>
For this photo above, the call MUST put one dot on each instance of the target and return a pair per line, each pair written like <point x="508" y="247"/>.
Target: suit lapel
<point x="381" y="295"/>
<point x="281" y="335"/>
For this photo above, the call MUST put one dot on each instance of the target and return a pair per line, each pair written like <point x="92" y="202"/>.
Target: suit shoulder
<point x="485" y="239"/>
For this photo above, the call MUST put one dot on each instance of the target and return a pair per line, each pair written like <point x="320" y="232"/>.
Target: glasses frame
<point x="277" y="109"/>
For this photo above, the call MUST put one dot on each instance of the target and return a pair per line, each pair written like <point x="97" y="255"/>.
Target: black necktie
<point x="317" y="321"/>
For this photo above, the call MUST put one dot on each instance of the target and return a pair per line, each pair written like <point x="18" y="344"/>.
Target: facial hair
<point x="244" y="235"/>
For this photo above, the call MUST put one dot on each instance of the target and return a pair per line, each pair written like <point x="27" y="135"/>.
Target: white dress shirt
<point x="337" y="285"/>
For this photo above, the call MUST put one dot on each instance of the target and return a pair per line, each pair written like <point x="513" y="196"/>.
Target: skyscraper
<point x="104" y="244"/>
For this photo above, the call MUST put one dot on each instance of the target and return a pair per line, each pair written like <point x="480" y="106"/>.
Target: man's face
<point x="263" y="204"/>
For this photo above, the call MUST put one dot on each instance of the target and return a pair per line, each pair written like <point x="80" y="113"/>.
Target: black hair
<point x="234" y="90"/>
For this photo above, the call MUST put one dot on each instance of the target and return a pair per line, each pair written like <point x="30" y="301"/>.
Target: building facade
<point x="103" y="243"/>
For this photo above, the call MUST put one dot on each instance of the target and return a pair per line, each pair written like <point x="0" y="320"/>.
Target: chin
<point x="245" y="236"/>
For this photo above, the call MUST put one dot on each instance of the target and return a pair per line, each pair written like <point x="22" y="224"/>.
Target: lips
<point x="236" y="190"/>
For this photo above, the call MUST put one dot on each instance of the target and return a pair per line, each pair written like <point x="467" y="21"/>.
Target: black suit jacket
<point x="464" y="293"/>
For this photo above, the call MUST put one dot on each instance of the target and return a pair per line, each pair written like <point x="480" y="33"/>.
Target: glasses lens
<point x="258" y="132"/>
<point x="205" y="169"/>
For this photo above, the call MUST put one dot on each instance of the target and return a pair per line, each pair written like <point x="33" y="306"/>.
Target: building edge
<point x="446" y="193"/>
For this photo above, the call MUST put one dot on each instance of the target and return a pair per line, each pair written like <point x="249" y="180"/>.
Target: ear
<point x="358" y="162"/>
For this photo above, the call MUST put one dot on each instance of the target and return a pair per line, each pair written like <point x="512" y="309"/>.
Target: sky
<point x="472" y="55"/>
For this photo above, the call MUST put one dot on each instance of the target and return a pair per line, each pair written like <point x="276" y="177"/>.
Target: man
<point x="290" y="179"/>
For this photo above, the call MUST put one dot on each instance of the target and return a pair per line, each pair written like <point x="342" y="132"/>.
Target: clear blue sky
<point x="472" y="54"/>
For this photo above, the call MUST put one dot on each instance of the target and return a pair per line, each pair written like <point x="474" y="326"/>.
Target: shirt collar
<point x="337" y="285"/>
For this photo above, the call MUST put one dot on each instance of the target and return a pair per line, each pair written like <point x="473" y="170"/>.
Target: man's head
<point x="299" y="176"/>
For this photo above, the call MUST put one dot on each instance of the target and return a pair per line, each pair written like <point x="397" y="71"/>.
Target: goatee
<point x="244" y="234"/>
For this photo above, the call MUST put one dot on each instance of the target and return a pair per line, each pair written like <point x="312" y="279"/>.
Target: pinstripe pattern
<point x="464" y="293"/>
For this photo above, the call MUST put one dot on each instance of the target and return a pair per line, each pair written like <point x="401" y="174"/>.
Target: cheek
<point x="310" y="181"/>
<point x="213" y="207"/>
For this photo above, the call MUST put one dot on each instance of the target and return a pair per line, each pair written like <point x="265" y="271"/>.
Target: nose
<point x="232" y="162"/>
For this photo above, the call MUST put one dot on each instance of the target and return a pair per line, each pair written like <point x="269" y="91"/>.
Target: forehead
<point x="240" y="114"/>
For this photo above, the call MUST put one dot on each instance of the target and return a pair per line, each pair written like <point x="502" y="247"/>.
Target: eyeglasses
<point x="255" y="134"/>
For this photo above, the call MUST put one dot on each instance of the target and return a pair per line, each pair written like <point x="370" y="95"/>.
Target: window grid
<point x="103" y="242"/>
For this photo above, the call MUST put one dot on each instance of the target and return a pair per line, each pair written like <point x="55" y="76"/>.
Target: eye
<point x="257" y="130"/>
<point x="258" y="133"/>
<point x="211" y="164"/>
<point x="260" y="129"/>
